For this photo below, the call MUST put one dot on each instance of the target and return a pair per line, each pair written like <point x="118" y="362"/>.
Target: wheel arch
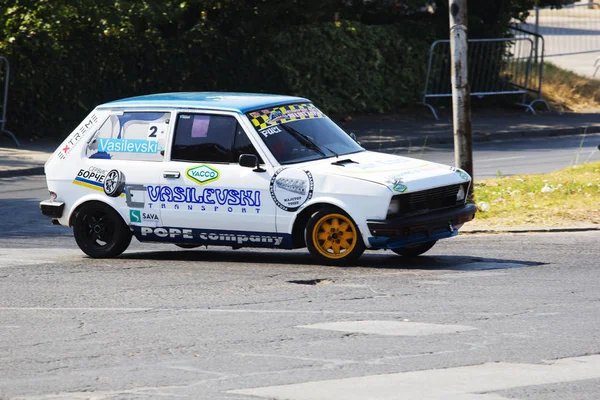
<point x="91" y="199"/>
<point x="303" y="217"/>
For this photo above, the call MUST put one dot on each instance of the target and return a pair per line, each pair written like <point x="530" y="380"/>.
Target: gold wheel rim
<point x="334" y="236"/>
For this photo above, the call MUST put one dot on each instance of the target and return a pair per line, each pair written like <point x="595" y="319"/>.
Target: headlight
<point x="460" y="196"/>
<point x="394" y="207"/>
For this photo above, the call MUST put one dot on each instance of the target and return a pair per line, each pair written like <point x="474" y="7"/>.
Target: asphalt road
<point x="516" y="156"/>
<point x="481" y="317"/>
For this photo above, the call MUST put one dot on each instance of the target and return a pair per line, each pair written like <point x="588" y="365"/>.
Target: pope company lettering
<point x="178" y="194"/>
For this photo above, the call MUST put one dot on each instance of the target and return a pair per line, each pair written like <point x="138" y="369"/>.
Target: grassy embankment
<point x="567" y="197"/>
<point x="570" y="197"/>
<point x="566" y="91"/>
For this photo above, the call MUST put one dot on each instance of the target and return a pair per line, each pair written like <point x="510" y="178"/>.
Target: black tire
<point x="114" y="183"/>
<point x="333" y="238"/>
<point x="99" y="230"/>
<point x="414" y="250"/>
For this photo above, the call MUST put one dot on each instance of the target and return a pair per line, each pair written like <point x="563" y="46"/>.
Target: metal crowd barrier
<point x="597" y="65"/>
<point x="5" y="100"/>
<point x="502" y="66"/>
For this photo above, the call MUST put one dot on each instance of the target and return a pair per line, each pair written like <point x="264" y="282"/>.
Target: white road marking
<point x="389" y="328"/>
<point x="204" y="310"/>
<point x="500" y="159"/>
<point x="472" y="382"/>
<point x="14" y="257"/>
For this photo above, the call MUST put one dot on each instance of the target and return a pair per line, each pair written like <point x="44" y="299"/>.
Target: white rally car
<point x="244" y="170"/>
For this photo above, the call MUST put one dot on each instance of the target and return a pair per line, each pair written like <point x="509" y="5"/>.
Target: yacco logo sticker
<point x="128" y="146"/>
<point x="202" y="174"/>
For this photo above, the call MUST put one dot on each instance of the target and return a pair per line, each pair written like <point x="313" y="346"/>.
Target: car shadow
<point x="371" y="260"/>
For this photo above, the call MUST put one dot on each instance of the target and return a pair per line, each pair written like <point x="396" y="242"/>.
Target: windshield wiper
<point x="308" y="140"/>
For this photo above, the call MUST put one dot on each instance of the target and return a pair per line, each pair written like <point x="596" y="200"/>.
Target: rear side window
<point x="206" y="138"/>
<point x="131" y="136"/>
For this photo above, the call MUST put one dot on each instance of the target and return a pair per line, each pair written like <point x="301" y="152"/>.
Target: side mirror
<point x="250" y="161"/>
<point x="353" y="136"/>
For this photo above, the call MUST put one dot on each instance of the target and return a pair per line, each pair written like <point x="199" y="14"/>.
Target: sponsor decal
<point x="91" y="178"/>
<point x="178" y="194"/>
<point x="397" y="183"/>
<point x="138" y="217"/>
<point x="215" y="237"/>
<point x="291" y="188"/>
<point x="77" y="135"/>
<point x="142" y="146"/>
<point x="279" y="115"/>
<point x="270" y="131"/>
<point x="400" y="188"/>
<point x="463" y="175"/>
<point x="135" y="216"/>
<point x="203" y="199"/>
<point x="202" y="174"/>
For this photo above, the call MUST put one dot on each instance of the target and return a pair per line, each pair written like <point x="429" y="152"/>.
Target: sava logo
<point x="137" y="216"/>
<point x="202" y="174"/>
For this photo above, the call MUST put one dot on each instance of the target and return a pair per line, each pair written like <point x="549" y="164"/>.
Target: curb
<point x="557" y="229"/>
<point x="11" y="173"/>
<point x="485" y="137"/>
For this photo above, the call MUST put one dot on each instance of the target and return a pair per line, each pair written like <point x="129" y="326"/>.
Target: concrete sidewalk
<point x="374" y="133"/>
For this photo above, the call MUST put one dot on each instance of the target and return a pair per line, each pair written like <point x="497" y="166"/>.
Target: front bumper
<point x="52" y="209"/>
<point x="406" y="231"/>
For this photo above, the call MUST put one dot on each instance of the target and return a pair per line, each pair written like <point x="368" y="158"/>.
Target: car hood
<point x="399" y="174"/>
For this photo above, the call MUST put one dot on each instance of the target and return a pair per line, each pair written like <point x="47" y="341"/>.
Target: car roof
<point x="241" y="102"/>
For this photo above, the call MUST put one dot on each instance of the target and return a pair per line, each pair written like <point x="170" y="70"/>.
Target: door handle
<point x="171" y="174"/>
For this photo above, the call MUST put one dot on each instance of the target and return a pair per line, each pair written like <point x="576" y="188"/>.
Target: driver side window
<point x="203" y="137"/>
<point x="209" y="138"/>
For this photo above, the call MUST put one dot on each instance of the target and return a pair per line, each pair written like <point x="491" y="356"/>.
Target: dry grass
<point x="568" y="91"/>
<point x="563" y="198"/>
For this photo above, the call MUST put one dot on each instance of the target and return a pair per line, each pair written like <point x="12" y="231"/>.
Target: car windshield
<point x="300" y="132"/>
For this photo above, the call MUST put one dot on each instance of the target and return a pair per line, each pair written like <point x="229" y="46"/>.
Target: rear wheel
<point x="99" y="231"/>
<point x="414" y="250"/>
<point x="333" y="238"/>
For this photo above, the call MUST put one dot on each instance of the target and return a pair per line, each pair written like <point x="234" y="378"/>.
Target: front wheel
<point x="333" y="238"/>
<point x="414" y="250"/>
<point x="99" y="231"/>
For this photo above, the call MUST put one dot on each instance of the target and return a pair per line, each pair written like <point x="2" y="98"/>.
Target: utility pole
<point x="461" y="92"/>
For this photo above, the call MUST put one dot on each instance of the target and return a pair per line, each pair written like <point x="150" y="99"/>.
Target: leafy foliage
<point x="346" y="55"/>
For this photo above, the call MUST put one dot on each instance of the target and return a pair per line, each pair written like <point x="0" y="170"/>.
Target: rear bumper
<point x="52" y="209"/>
<point x="406" y="231"/>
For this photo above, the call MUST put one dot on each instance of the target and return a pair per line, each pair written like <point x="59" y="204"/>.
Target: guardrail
<point x="501" y="66"/>
<point x="4" y="61"/>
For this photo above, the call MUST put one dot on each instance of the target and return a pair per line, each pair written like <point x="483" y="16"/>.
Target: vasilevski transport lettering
<point x="214" y="237"/>
<point x="178" y="194"/>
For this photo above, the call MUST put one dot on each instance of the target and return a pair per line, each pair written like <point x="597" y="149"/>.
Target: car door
<point x="132" y="143"/>
<point x="204" y="187"/>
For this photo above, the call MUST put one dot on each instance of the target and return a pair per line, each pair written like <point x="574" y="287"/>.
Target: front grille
<point x="426" y="200"/>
